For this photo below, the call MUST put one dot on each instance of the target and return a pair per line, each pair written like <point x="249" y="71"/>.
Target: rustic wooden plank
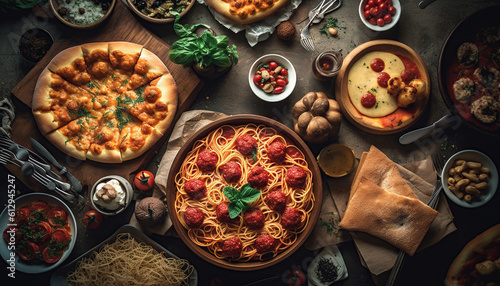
<point x="122" y="26"/>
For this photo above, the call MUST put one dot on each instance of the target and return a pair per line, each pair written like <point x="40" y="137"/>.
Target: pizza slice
<point x="71" y="66"/>
<point x="124" y="56"/>
<point x="56" y="102"/>
<point x="246" y="12"/>
<point x="137" y="137"/>
<point x="105" y="147"/>
<point x="75" y="137"/>
<point x="97" y="60"/>
<point x="147" y="68"/>
<point x="154" y="104"/>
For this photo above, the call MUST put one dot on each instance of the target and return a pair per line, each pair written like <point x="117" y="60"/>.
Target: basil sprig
<point x="205" y="49"/>
<point x="239" y="200"/>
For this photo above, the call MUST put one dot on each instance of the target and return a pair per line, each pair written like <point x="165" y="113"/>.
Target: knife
<point x="77" y="186"/>
<point x="414" y="135"/>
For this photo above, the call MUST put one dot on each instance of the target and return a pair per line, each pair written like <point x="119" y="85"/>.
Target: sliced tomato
<point x="41" y="232"/>
<point x="57" y="217"/>
<point x="60" y="235"/>
<point x="10" y="232"/>
<point x="22" y="215"/>
<point x="28" y="251"/>
<point x="39" y="210"/>
<point x="51" y="254"/>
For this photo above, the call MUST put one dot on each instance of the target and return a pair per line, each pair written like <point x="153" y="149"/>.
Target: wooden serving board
<point x="121" y="26"/>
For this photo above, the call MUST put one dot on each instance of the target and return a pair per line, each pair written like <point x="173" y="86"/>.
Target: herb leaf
<point x="239" y="200"/>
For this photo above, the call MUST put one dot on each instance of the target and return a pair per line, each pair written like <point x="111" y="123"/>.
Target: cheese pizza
<point x="246" y="11"/>
<point x="106" y="102"/>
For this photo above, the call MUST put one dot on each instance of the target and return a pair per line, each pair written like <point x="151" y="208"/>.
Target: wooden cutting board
<point x="121" y="26"/>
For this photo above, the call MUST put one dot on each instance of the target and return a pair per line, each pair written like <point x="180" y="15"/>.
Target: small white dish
<point x="487" y="194"/>
<point x="282" y="61"/>
<point x="129" y="193"/>
<point x="18" y="263"/>
<point x="387" y="26"/>
<point x="330" y="254"/>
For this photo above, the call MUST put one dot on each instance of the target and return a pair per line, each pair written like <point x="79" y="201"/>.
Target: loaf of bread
<point x="399" y="220"/>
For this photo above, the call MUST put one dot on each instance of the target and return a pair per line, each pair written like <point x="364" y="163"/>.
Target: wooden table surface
<point x="424" y="30"/>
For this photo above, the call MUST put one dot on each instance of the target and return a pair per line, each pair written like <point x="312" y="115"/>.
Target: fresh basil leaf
<point x="231" y="193"/>
<point x="181" y="57"/>
<point x="221" y="59"/>
<point x="248" y="194"/>
<point x="234" y="210"/>
<point x="233" y="53"/>
<point x="222" y="41"/>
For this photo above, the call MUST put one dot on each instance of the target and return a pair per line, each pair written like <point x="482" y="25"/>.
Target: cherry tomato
<point x="39" y="209"/>
<point x="280" y="82"/>
<point x="257" y="79"/>
<point x="391" y="10"/>
<point x="284" y="72"/>
<point x="278" y="89"/>
<point x="374" y="11"/>
<point x="382" y="7"/>
<point x="382" y="79"/>
<point x="57" y="217"/>
<point x="367" y="8"/>
<point x="92" y="219"/>
<point x="368" y="100"/>
<point x="27" y="251"/>
<point x="387" y="18"/>
<point x="144" y="180"/>
<point x="371" y="3"/>
<point x="60" y="235"/>
<point x="380" y="22"/>
<point x="13" y="233"/>
<point x="388" y="2"/>
<point x="52" y="254"/>
<point x="22" y="215"/>
<point x="372" y="21"/>
<point x="380" y="2"/>
<point x="377" y="64"/>
<point x="41" y="232"/>
<point x="367" y="15"/>
<point x="273" y="65"/>
<point x="296" y="278"/>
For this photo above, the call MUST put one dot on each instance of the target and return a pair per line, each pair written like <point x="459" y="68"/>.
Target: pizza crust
<point x="65" y="58"/>
<point x="479" y="242"/>
<point x="253" y="14"/>
<point x="399" y="220"/>
<point x="130" y="154"/>
<point x="59" y="140"/>
<point x="169" y="96"/>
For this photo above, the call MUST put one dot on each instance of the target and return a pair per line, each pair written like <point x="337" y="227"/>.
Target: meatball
<point x="232" y="247"/>
<point x="291" y="218"/>
<point x="486" y="109"/>
<point x="254" y="219"/>
<point x="207" y="161"/>
<point x="246" y="144"/>
<point x="277" y="152"/>
<point x="264" y="243"/>
<point x="222" y="212"/>
<point x="295" y="177"/>
<point x="276" y="200"/>
<point x="193" y="217"/>
<point x="231" y="171"/>
<point x="195" y="188"/>
<point x="286" y="31"/>
<point x="258" y="177"/>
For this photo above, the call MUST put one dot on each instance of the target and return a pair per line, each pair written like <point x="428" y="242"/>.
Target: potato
<point x="407" y="96"/>
<point x="474" y="165"/>
<point x="483" y="177"/>
<point x="419" y="85"/>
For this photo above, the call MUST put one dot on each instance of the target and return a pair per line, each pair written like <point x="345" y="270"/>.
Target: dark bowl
<point x="465" y="31"/>
<point x="34" y="44"/>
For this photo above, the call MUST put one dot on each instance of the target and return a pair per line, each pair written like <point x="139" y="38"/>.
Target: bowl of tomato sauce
<point x="272" y="77"/>
<point x="39" y="233"/>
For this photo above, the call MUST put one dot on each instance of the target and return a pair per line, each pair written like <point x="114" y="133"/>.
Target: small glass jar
<point x="327" y="65"/>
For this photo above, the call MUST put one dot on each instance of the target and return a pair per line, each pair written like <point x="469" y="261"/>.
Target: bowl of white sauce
<point x="111" y="195"/>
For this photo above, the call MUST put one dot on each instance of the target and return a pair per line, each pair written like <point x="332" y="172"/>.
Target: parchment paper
<point x="261" y="30"/>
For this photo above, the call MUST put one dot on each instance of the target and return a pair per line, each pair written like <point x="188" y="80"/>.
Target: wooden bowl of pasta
<point x="222" y="137"/>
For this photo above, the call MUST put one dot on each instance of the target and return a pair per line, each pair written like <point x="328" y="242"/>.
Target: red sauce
<point x="294" y="152"/>
<point x="455" y="72"/>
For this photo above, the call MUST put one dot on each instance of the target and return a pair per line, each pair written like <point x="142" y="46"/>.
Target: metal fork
<point x="437" y="161"/>
<point x="305" y="37"/>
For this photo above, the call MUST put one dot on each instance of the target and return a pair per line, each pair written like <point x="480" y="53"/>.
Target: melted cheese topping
<point x="244" y="8"/>
<point x="362" y="79"/>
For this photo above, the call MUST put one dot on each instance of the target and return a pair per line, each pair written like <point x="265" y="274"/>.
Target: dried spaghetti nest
<point x="129" y="262"/>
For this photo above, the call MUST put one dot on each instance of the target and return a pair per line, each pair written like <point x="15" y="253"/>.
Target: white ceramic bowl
<point x="387" y="26"/>
<point x="471" y="155"/>
<point x="4" y="222"/>
<point x="282" y="61"/>
<point x="129" y="193"/>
